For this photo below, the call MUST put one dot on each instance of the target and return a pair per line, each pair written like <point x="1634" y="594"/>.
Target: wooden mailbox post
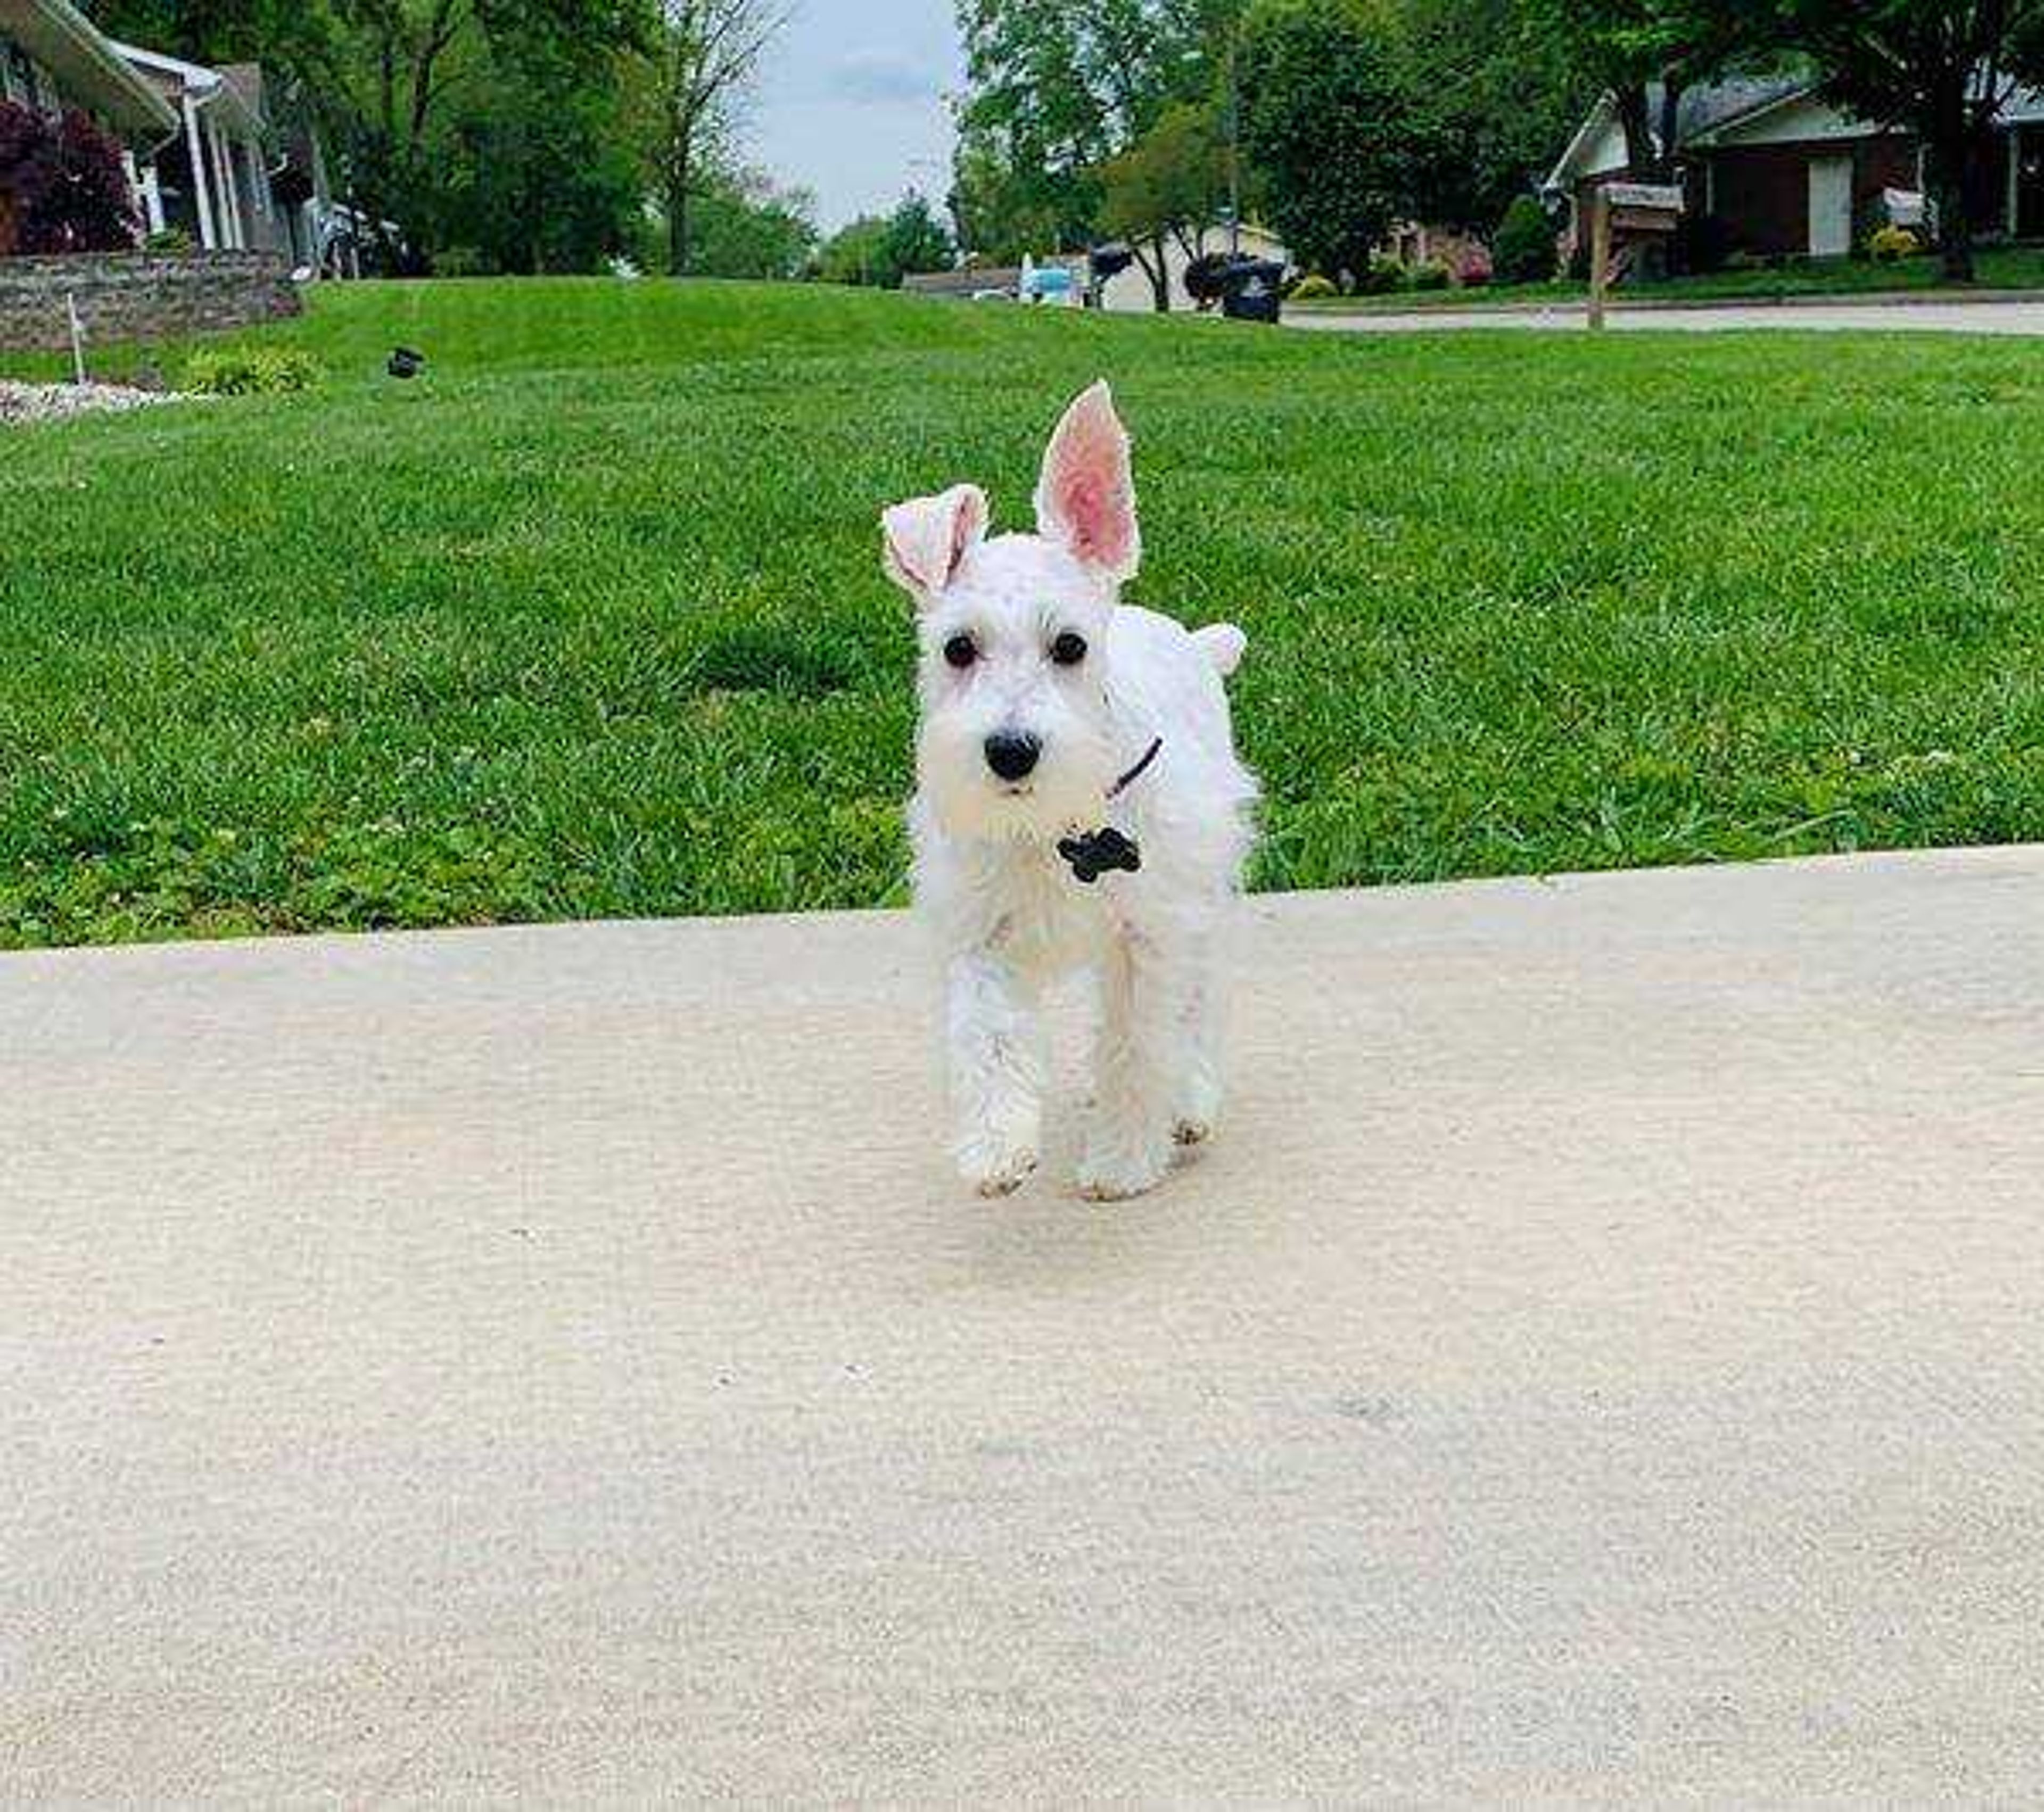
<point x="1631" y="210"/>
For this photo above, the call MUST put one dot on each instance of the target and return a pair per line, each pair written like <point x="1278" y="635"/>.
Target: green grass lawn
<point x="588" y="622"/>
<point x="1998" y="267"/>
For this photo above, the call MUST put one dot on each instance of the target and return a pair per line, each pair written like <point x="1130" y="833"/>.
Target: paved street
<point x="1604" y="1359"/>
<point x="1913" y="317"/>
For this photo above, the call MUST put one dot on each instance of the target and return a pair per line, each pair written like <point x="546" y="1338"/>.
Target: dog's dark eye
<point x="1069" y="650"/>
<point x="961" y="651"/>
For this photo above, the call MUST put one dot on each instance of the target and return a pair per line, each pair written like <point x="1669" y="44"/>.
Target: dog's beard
<point x="1067" y="791"/>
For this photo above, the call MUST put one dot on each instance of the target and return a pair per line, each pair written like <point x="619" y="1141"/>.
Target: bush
<point x="1891" y="244"/>
<point x="1523" y="250"/>
<point x="235" y="371"/>
<point x="63" y="187"/>
<point x="1315" y="288"/>
<point x="1427" y="277"/>
<point x="1382" y="278"/>
<point x="171" y="242"/>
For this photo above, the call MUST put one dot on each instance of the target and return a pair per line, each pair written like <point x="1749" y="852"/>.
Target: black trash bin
<point x="1252" y="289"/>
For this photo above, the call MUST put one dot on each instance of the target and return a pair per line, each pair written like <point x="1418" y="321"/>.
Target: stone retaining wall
<point x="135" y="295"/>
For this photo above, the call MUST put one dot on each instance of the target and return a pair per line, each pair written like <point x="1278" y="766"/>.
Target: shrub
<point x="236" y="371"/>
<point x="1474" y="270"/>
<point x="63" y="187"/>
<point x="1891" y="244"/>
<point x="1523" y="250"/>
<point x="1315" y="288"/>
<point x="1381" y="278"/>
<point x="1427" y="276"/>
<point x="170" y="242"/>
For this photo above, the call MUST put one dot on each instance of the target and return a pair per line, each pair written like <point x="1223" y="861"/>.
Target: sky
<point x="852" y="103"/>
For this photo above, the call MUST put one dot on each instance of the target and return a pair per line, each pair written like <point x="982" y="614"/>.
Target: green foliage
<point x="1429" y="276"/>
<point x="1890" y="244"/>
<point x="1487" y="103"/>
<point x="856" y="254"/>
<point x="169" y="242"/>
<point x="1315" y="288"/>
<point x="249" y="371"/>
<point x="1524" y="249"/>
<point x="1322" y="120"/>
<point x="1057" y="88"/>
<point x="917" y="241"/>
<point x="1169" y="185"/>
<point x="746" y="226"/>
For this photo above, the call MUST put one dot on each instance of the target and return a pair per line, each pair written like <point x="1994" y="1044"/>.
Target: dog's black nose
<point x="1012" y="756"/>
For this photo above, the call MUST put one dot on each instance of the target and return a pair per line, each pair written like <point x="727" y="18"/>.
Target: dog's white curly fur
<point x="1008" y="915"/>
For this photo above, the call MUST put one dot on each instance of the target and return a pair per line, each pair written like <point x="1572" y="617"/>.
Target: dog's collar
<point x="1102" y="851"/>
<point x="1136" y="772"/>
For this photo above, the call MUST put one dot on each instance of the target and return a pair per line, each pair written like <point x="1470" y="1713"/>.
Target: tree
<point x="745" y="226"/>
<point x="1488" y="103"/>
<point x="1944" y="68"/>
<point x="708" y="51"/>
<point x="1322" y="118"/>
<point x="1633" y="49"/>
<point x="857" y="254"/>
<point x="1166" y="188"/>
<point x="62" y="187"/>
<point x="1055" y="89"/>
<point x="917" y="240"/>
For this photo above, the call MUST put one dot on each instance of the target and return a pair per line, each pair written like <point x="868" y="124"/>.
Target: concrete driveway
<point x="1604" y="1359"/>
<point x="2019" y="318"/>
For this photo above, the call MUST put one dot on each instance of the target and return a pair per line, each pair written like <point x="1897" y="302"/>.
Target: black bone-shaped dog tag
<point x="1100" y="852"/>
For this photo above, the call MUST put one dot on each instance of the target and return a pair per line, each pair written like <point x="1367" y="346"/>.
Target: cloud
<point x="877" y="78"/>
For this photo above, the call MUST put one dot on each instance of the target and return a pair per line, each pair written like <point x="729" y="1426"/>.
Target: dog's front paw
<point x="1191" y="1132"/>
<point x="995" y="1167"/>
<point x="1115" y="1171"/>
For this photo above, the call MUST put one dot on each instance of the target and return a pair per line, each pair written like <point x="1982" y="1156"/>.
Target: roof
<point x="87" y="68"/>
<point x="235" y="94"/>
<point x="1704" y="109"/>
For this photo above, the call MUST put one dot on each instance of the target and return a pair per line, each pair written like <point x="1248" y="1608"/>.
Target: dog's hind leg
<point x="995" y="1039"/>
<point x="1139" y="1045"/>
<point x="1197" y="1090"/>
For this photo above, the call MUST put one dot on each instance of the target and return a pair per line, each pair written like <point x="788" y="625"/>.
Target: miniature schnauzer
<point x="1079" y="806"/>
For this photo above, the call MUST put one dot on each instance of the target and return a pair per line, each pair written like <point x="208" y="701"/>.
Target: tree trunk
<point x="1160" y="277"/>
<point x="1952" y="151"/>
<point x="1632" y="111"/>
<point x="677" y="218"/>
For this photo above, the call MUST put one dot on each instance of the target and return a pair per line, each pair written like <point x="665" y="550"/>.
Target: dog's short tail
<point x="1223" y="644"/>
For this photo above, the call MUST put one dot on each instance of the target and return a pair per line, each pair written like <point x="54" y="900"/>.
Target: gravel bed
<point x="20" y="404"/>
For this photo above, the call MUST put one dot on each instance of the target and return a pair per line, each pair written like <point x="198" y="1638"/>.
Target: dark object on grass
<point x="1100" y="852"/>
<point x="406" y="364"/>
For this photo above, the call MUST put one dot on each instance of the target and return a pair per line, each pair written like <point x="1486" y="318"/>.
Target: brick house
<point x="1790" y="175"/>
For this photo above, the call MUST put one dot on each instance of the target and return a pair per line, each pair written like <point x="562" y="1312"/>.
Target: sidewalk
<point x="1604" y="1357"/>
<point x="2007" y="312"/>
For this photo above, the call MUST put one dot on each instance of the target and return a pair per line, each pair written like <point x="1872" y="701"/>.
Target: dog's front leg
<point x="1140" y="1040"/>
<point x="996" y="1038"/>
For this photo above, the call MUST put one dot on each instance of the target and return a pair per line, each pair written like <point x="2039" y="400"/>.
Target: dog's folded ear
<point x="1086" y="497"/>
<point x="925" y="539"/>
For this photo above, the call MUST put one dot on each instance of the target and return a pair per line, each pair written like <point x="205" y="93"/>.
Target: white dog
<point x="1079" y="806"/>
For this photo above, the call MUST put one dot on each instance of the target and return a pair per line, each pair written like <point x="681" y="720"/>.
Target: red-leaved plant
<point x="62" y="185"/>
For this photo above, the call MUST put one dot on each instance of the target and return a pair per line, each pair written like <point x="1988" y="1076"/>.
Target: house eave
<point x="86" y="66"/>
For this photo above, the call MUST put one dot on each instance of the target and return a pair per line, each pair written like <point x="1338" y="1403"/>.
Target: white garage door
<point x="1831" y="206"/>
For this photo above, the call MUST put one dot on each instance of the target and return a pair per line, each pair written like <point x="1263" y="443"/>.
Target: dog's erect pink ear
<point x="1086" y="498"/>
<point x="926" y="539"/>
